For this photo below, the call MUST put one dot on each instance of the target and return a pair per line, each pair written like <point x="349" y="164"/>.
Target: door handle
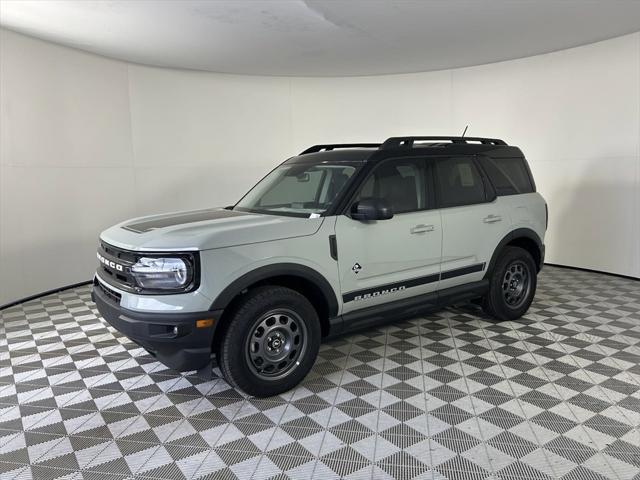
<point x="422" y="228"/>
<point x="492" y="219"/>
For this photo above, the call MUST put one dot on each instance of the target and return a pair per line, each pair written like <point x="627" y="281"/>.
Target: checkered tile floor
<point x="451" y="395"/>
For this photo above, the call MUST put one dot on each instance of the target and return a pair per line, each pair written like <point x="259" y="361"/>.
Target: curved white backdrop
<point x="86" y="142"/>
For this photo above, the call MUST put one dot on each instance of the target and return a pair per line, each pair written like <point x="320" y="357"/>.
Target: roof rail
<point x="407" y="142"/>
<point x="319" y="148"/>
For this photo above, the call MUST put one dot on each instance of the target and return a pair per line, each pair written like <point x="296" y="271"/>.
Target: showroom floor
<point x="451" y="395"/>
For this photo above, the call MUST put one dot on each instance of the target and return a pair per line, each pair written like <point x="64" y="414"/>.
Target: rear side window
<point x="459" y="182"/>
<point x="509" y="176"/>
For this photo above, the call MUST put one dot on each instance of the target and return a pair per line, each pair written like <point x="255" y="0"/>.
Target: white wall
<point x="86" y="141"/>
<point x="65" y="161"/>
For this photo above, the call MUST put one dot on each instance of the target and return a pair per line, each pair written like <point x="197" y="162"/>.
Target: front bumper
<point x="188" y="349"/>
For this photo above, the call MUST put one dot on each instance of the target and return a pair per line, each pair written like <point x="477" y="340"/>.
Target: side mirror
<point x="371" y="209"/>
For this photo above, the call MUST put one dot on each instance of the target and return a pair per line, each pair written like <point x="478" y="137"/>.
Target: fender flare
<point x="276" y="270"/>
<point x="509" y="237"/>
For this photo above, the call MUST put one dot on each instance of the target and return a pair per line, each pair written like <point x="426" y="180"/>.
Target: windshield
<point x="301" y="190"/>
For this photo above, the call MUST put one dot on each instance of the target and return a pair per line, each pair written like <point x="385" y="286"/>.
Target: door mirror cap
<point x="371" y="209"/>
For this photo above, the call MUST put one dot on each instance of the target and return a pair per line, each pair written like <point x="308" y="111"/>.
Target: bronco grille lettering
<point x="109" y="263"/>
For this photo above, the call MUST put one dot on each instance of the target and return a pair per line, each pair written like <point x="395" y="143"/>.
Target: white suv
<point x="337" y="238"/>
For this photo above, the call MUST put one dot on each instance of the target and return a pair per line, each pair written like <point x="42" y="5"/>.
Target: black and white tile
<point x="452" y="395"/>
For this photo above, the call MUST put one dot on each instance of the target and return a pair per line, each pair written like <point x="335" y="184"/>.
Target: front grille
<point x="111" y="295"/>
<point x="116" y="270"/>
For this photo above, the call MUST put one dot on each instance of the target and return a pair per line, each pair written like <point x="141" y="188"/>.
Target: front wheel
<point x="512" y="285"/>
<point x="271" y="342"/>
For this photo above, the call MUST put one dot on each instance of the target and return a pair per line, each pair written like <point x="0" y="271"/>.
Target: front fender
<point x="276" y="270"/>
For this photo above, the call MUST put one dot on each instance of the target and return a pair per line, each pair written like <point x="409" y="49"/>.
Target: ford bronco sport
<point x="337" y="238"/>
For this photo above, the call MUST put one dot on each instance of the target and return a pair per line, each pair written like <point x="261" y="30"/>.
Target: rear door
<point x="386" y="260"/>
<point x="473" y="219"/>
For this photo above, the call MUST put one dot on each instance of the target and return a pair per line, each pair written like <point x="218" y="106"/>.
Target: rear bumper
<point x="188" y="349"/>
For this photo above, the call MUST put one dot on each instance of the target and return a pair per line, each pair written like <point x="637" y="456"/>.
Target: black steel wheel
<point x="516" y="283"/>
<point x="269" y="341"/>
<point x="512" y="285"/>
<point x="277" y="341"/>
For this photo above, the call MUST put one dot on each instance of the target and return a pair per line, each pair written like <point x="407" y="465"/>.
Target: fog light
<point x="175" y="330"/>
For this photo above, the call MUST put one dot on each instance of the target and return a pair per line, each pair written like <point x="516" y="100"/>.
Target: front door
<point x="386" y="260"/>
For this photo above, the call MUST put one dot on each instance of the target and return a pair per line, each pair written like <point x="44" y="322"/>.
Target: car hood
<point x="206" y="229"/>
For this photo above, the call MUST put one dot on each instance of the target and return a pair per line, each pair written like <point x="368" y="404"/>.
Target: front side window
<point x="298" y="189"/>
<point x="401" y="183"/>
<point x="459" y="182"/>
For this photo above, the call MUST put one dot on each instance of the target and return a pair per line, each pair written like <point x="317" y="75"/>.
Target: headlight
<point x="162" y="273"/>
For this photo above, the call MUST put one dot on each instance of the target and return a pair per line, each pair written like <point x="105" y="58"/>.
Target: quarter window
<point x="459" y="182"/>
<point x="509" y="176"/>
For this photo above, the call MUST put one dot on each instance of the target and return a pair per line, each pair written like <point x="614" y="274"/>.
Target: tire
<point x="271" y="341"/>
<point x="512" y="285"/>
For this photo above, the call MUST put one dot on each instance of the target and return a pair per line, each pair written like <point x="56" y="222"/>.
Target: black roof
<point x="405" y="147"/>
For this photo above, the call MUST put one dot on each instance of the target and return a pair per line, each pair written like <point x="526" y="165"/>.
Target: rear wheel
<point x="512" y="285"/>
<point x="271" y="341"/>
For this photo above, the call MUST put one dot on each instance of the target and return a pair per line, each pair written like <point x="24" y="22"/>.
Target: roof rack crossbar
<point x="319" y="148"/>
<point x="407" y="142"/>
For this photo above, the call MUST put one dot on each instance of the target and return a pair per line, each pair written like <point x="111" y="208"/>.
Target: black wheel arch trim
<point x="277" y="270"/>
<point x="510" y="237"/>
